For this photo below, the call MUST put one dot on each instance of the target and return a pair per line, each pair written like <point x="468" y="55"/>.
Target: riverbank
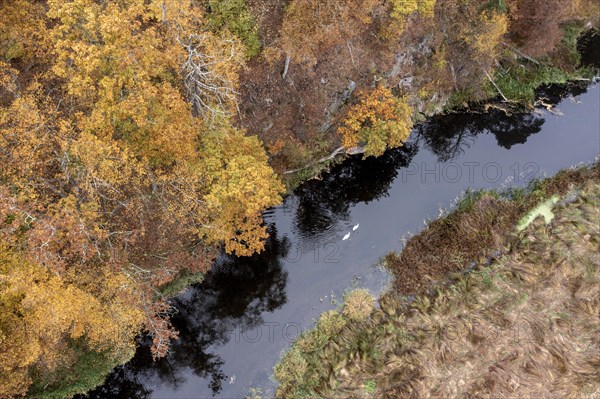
<point x="301" y="274"/>
<point x="520" y="324"/>
<point x="122" y="191"/>
<point x="519" y="85"/>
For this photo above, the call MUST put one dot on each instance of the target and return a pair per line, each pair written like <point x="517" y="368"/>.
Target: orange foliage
<point x="377" y="121"/>
<point x="114" y="162"/>
<point x="311" y="27"/>
<point x="39" y="310"/>
<point x="22" y="28"/>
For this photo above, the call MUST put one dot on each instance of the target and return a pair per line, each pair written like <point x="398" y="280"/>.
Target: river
<point x="235" y="325"/>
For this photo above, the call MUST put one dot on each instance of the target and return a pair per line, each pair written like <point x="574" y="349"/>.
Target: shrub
<point x="358" y="304"/>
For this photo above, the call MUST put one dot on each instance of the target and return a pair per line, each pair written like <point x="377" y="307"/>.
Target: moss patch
<point x="235" y="16"/>
<point x="180" y="283"/>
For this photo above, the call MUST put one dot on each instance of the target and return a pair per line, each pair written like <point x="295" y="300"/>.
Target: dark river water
<point x="235" y="325"/>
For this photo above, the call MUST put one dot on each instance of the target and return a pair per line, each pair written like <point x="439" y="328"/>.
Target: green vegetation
<point x="529" y="317"/>
<point x="519" y="78"/>
<point x="182" y="281"/>
<point x="235" y="16"/>
<point x="301" y="368"/>
<point x="544" y="210"/>
<point x="370" y="387"/>
<point x="88" y="370"/>
<point x="568" y="44"/>
<point x="520" y="82"/>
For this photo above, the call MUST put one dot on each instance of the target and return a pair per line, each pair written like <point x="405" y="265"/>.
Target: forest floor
<point x="506" y="305"/>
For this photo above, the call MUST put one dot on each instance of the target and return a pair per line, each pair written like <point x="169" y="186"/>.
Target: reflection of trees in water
<point x="322" y="202"/>
<point x="448" y="136"/>
<point x="553" y="94"/>
<point x="589" y="48"/>
<point x="233" y="297"/>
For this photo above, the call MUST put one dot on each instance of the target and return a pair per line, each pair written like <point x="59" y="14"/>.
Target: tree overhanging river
<point x="235" y="325"/>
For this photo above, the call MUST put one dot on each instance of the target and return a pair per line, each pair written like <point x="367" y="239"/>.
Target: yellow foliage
<point x="26" y="138"/>
<point x="243" y="186"/>
<point x="401" y="10"/>
<point x="123" y="147"/>
<point x="378" y="121"/>
<point x="40" y="313"/>
<point x="22" y="30"/>
<point x="490" y="31"/>
<point x="125" y="70"/>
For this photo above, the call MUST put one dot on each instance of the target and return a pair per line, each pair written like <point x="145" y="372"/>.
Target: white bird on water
<point x="355" y="227"/>
<point x="346" y="237"/>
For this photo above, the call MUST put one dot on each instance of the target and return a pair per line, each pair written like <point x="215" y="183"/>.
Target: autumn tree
<point x="40" y="314"/>
<point x="121" y="169"/>
<point x="377" y="121"/>
<point x="469" y="44"/>
<point x="529" y="18"/>
<point x="236" y="17"/>
<point x="311" y="27"/>
<point x="401" y="10"/>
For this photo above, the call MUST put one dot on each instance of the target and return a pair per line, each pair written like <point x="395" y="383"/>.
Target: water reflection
<point x="240" y="292"/>
<point x="448" y="137"/>
<point x="588" y="46"/>
<point x="553" y="94"/>
<point x="324" y="201"/>
<point x="233" y="297"/>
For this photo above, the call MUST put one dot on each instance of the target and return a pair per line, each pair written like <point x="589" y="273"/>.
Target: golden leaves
<point x="378" y="121"/>
<point x="486" y="39"/>
<point x="401" y="11"/>
<point x="22" y="30"/>
<point x="38" y="310"/>
<point x="243" y="186"/>
<point x="108" y="176"/>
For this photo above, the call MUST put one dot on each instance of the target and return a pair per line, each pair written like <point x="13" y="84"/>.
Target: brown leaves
<point x="311" y="27"/>
<point x="529" y="18"/>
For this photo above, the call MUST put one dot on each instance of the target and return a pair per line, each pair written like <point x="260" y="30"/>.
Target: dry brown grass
<point x="479" y="228"/>
<point x="527" y="326"/>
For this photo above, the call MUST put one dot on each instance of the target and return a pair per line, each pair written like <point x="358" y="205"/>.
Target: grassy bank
<point x="525" y="325"/>
<point x="479" y="227"/>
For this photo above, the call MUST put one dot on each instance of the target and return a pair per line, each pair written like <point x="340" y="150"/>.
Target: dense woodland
<point x="140" y="137"/>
